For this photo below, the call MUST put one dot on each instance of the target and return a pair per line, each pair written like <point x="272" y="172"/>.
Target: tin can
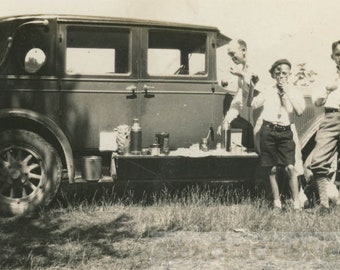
<point x="91" y="168"/>
<point x="162" y="138"/>
<point x="155" y="150"/>
<point x="218" y="146"/>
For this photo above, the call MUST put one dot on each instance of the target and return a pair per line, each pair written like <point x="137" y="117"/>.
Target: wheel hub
<point x="15" y="174"/>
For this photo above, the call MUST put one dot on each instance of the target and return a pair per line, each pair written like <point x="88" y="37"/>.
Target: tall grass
<point x="168" y="229"/>
<point x="204" y="209"/>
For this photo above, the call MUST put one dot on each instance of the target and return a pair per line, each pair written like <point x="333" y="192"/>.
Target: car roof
<point x="222" y="39"/>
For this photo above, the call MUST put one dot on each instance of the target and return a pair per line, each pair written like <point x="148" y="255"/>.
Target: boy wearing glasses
<point x="280" y="103"/>
<point x="327" y="137"/>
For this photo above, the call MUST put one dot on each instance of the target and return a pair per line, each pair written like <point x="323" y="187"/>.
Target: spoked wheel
<point x="30" y="172"/>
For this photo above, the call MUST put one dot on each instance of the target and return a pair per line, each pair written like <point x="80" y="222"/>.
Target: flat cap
<point x="279" y="62"/>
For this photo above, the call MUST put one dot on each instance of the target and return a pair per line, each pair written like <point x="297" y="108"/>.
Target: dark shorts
<point x="277" y="145"/>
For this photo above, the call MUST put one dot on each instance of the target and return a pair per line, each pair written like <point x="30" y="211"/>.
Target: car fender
<point x="51" y="126"/>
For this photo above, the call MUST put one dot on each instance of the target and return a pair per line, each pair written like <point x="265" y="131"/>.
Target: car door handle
<point x="146" y="89"/>
<point x="133" y="89"/>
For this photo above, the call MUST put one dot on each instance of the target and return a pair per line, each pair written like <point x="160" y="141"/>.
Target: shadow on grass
<point x="51" y="239"/>
<point x="72" y="232"/>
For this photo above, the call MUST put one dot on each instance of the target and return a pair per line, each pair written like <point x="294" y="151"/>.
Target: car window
<point x="176" y="53"/>
<point x="30" y="52"/>
<point x="97" y="51"/>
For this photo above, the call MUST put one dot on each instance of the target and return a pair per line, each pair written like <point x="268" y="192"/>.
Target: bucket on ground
<point x="91" y="168"/>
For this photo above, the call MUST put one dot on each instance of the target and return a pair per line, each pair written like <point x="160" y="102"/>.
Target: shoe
<point x="277" y="204"/>
<point x="333" y="193"/>
<point x="297" y="205"/>
<point x="303" y="198"/>
<point x="323" y="210"/>
<point x="337" y="202"/>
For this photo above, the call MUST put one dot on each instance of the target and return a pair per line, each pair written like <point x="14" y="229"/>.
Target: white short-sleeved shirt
<point x="239" y="103"/>
<point x="274" y="110"/>
<point x="332" y="100"/>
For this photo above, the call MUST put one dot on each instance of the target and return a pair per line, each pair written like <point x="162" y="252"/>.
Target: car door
<point x="99" y="80"/>
<point x="177" y="85"/>
<point x="27" y="73"/>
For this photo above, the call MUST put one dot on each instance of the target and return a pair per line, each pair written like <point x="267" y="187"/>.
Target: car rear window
<point x="176" y="53"/>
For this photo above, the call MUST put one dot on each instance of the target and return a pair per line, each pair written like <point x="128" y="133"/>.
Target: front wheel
<point x="30" y="172"/>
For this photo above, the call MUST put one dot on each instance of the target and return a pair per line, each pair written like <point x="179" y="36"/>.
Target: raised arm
<point x="320" y="97"/>
<point x="297" y="100"/>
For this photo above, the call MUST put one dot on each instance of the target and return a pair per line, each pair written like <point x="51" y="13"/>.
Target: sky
<point x="299" y="30"/>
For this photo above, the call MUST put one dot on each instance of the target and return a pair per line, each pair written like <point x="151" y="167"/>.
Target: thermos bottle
<point x="226" y="139"/>
<point x="136" y="138"/>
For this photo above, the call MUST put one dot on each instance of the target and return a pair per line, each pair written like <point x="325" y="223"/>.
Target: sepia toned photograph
<point x="184" y="134"/>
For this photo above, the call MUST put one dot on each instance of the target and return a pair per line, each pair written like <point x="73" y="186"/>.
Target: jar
<point x="162" y="138"/>
<point x="204" y="145"/>
<point x="155" y="150"/>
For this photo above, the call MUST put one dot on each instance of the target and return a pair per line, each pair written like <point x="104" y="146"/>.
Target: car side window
<point x="97" y="51"/>
<point x="176" y="53"/>
<point x="30" y="53"/>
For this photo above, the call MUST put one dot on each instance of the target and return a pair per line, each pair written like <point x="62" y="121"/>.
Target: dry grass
<point x="191" y="229"/>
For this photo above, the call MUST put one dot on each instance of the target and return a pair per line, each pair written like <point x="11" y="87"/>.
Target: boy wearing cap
<point x="327" y="137"/>
<point x="280" y="103"/>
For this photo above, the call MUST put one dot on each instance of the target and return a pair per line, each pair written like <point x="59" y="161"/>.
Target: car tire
<point x="30" y="172"/>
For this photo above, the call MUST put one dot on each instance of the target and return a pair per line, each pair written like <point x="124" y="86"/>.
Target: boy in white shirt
<point x="277" y="146"/>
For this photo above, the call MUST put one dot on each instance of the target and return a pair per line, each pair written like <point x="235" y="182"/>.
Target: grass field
<point x="195" y="228"/>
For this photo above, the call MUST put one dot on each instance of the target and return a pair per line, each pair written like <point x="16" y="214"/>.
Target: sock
<point x="322" y="185"/>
